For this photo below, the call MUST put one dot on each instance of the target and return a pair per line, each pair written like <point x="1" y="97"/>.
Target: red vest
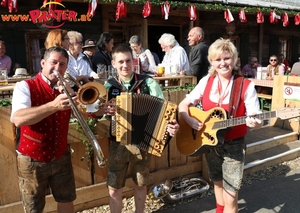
<point x="237" y="131"/>
<point x="48" y="138"/>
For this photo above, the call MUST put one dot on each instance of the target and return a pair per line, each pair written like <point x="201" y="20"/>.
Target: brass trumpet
<point x="86" y="129"/>
<point x="88" y="93"/>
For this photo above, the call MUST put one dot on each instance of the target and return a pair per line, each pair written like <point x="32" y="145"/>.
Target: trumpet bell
<point x="92" y="92"/>
<point x="87" y="94"/>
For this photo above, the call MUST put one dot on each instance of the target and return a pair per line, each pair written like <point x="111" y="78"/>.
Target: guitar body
<point x="194" y="143"/>
<point x="215" y="124"/>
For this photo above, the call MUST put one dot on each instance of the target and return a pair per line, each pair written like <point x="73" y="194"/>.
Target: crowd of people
<point x="41" y="112"/>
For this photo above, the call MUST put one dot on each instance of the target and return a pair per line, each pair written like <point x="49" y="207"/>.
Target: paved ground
<point x="280" y="194"/>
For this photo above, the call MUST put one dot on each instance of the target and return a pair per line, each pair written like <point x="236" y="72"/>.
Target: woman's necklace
<point x="138" y="54"/>
<point x="222" y="93"/>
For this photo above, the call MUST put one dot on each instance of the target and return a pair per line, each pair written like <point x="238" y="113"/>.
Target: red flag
<point x="11" y="4"/>
<point x="192" y="10"/>
<point x="51" y="7"/>
<point x="297" y="19"/>
<point x="260" y="17"/>
<point x="147" y="9"/>
<point x="228" y="16"/>
<point x="92" y="7"/>
<point x="121" y="10"/>
<point x="165" y="10"/>
<point x="3" y="3"/>
<point x="273" y="17"/>
<point x="242" y="16"/>
<point x="285" y="19"/>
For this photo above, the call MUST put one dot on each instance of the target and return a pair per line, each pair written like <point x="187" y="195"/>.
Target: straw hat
<point x="20" y="72"/>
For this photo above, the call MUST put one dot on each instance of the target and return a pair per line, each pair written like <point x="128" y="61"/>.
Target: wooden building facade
<point x="24" y="39"/>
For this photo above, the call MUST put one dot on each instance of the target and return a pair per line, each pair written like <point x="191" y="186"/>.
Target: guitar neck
<point x="241" y="120"/>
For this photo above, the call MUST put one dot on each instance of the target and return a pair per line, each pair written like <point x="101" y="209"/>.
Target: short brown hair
<point x="121" y="48"/>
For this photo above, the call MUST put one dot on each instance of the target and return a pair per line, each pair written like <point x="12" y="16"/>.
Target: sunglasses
<point x="273" y="59"/>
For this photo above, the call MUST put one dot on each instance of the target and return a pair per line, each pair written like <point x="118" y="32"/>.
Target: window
<point x="285" y="47"/>
<point x="34" y="44"/>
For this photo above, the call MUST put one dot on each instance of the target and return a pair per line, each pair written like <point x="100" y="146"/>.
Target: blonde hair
<point x="217" y="48"/>
<point x="55" y="38"/>
<point x="74" y="36"/>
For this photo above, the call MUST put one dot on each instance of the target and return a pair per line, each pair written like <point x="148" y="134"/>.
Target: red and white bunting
<point x="274" y="17"/>
<point x="165" y="10"/>
<point x="121" y="10"/>
<point x="11" y="4"/>
<point x="285" y="19"/>
<point x="260" y="17"/>
<point x="192" y="10"/>
<point x="51" y="7"/>
<point x="147" y="9"/>
<point x="92" y="8"/>
<point x="228" y="16"/>
<point x="242" y="16"/>
<point x="297" y="19"/>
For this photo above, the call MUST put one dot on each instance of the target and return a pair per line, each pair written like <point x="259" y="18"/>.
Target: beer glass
<point x="3" y="77"/>
<point x="102" y="70"/>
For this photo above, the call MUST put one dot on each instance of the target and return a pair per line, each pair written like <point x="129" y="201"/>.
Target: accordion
<point x="142" y="120"/>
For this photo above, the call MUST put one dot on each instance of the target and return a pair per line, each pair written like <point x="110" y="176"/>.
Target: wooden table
<point x="7" y="90"/>
<point x="17" y="79"/>
<point x="175" y="81"/>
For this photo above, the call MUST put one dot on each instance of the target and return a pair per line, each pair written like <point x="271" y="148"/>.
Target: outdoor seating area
<point x="170" y="165"/>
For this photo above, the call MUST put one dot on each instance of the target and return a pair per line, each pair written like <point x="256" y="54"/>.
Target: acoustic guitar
<point x="193" y="143"/>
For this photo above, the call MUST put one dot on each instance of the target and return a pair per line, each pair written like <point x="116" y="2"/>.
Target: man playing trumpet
<point x="41" y="112"/>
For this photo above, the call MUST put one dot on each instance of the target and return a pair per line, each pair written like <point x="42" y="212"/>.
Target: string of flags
<point x="192" y="13"/>
<point x="121" y="11"/>
<point x="273" y="17"/>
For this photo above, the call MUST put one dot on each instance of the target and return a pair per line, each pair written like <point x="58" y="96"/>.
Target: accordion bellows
<point x="142" y="120"/>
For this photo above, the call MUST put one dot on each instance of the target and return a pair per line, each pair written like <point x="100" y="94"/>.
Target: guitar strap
<point x="235" y="95"/>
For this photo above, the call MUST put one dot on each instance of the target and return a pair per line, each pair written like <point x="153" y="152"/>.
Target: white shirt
<point x="21" y="98"/>
<point x="250" y="100"/>
<point x="177" y="55"/>
<point x="79" y="67"/>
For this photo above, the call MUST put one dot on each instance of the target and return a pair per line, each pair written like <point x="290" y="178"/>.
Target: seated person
<point x="274" y="68"/>
<point x="250" y="69"/>
<point x="5" y="60"/>
<point x="144" y="56"/>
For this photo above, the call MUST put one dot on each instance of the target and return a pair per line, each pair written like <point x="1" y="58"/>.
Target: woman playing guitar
<point x="218" y="93"/>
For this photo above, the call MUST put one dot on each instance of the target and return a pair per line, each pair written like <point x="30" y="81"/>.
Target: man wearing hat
<point x="89" y="50"/>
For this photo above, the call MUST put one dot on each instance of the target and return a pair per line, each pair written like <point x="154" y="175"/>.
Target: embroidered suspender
<point x="235" y="95"/>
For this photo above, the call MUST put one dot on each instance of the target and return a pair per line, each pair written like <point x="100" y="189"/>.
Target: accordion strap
<point x="117" y="84"/>
<point x="136" y="84"/>
<point x="235" y="96"/>
<point x="139" y="81"/>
